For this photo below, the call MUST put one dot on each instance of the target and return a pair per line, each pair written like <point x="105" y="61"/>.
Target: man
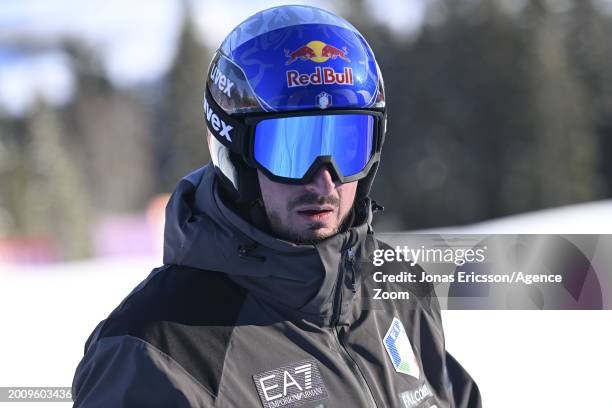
<point x="265" y="298"/>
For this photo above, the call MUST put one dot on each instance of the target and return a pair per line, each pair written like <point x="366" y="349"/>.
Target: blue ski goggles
<point x="292" y="148"/>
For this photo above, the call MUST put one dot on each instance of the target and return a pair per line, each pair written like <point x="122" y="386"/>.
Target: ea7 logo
<point x="221" y="81"/>
<point x="290" y="385"/>
<point x="272" y="381"/>
<point x="217" y="124"/>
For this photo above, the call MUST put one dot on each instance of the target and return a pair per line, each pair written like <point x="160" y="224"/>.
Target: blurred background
<point x="496" y="108"/>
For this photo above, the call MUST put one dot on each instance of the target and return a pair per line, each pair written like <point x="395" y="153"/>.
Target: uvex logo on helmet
<point x="217" y="124"/>
<point x="318" y="51"/>
<point x="221" y="81"/>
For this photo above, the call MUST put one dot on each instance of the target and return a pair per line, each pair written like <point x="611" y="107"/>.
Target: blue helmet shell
<point x="283" y="59"/>
<point x="295" y="58"/>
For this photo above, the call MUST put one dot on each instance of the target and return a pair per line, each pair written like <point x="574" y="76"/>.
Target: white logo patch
<point x="413" y="398"/>
<point x="400" y="350"/>
<point x="323" y="100"/>
<point x="290" y="385"/>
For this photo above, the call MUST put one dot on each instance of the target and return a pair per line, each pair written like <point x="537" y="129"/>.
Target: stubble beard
<point x="311" y="234"/>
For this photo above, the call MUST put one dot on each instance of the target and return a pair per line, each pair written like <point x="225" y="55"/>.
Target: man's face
<point x="310" y="212"/>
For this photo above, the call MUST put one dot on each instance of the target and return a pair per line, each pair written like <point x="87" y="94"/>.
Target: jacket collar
<point x="204" y="233"/>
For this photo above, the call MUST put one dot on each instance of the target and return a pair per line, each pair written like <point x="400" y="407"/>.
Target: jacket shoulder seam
<point x="150" y="346"/>
<point x="145" y="283"/>
<point x="229" y="344"/>
<point x="121" y="305"/>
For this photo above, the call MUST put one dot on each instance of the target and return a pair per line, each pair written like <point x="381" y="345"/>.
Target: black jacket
<point x="238" y="318"/>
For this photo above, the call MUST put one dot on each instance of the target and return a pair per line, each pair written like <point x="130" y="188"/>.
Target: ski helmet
<point x="290" y="89"/>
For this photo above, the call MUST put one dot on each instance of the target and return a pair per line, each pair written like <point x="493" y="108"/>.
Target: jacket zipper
<point x="348" y="258"/>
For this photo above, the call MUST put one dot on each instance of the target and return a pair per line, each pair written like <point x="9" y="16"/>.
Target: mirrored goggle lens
<point x="287" y="147"/>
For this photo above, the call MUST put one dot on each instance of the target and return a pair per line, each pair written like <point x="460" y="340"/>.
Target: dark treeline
<point x="492" y="111"/>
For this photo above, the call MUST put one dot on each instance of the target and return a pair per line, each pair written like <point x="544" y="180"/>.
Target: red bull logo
<point x="316" y="51"/>
<point x="303" y="53"/>
<point x="325" y="76"/>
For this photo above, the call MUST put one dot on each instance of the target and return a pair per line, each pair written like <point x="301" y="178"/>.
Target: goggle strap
<point x="226" y="129"/>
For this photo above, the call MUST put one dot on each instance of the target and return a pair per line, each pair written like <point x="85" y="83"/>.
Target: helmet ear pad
<point x="247" y="191"/>
<point x="237" y="179"/>
<point x="246" y="200"/>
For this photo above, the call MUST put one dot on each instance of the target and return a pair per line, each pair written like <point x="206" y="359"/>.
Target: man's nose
<point x="322" y="183"/>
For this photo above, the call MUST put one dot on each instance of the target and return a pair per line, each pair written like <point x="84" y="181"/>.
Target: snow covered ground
<point x="48" y="312"/>
<point x="593" y="217"/>
<point x="519" y="358"/>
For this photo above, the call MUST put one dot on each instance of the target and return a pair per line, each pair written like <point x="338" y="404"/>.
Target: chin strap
<point x="365" y="184"/>
<point x="258" y="216"/>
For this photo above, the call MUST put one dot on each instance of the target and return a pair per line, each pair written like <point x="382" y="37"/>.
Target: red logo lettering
<point x="327" y="76"/>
